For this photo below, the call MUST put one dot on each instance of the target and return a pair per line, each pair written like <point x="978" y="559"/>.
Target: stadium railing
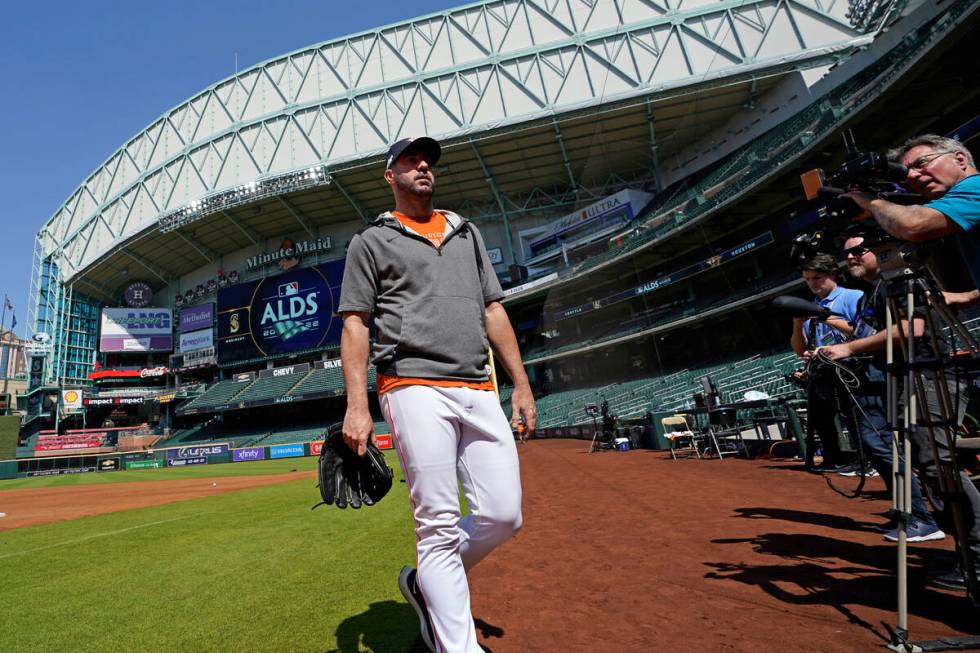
<point x="664" y="322"/>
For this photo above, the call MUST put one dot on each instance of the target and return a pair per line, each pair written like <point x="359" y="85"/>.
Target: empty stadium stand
<point x="634" y="398"/>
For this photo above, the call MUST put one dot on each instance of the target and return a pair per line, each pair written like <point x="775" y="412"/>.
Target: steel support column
<point x="564" y="156"/>
<point x="488" y="177"/>
<point x="654" y="158"/>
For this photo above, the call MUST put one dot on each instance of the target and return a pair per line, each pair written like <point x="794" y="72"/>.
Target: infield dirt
<point x="30" y="507"/>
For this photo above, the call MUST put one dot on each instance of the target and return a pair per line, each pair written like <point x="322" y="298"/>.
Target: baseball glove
<point x="348" y="479"/>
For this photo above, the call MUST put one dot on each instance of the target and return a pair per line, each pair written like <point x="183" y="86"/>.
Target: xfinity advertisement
<point x="279" y="315"/>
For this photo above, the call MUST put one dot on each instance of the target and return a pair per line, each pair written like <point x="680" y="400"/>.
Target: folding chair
<point x="724" y="432"/>
<point x="677" y="433"/>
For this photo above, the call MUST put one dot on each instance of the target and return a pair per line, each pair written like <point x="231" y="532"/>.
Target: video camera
<point x="869" y="172"/>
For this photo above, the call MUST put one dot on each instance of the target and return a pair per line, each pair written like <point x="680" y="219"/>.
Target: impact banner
<point x="136" y="329"/>
<point x="286" y="313"/>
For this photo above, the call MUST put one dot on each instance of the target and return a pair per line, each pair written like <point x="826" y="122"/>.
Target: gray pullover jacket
<point x="427" y="302"/>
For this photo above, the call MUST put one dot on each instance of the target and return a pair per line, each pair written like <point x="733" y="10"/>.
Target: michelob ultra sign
<point x="286" y="313"/>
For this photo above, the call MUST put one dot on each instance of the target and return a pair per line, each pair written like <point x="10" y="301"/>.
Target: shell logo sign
<point x="71" y="399"/>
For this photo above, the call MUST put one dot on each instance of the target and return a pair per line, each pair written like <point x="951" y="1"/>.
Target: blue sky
<point x="81" y="78"/>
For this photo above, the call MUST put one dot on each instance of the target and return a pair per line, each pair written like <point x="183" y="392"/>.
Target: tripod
<point x="912" y="296"/>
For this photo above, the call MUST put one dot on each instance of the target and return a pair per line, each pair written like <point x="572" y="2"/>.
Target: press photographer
<point x="943" y="172"/>
<point x="876" y="432"/>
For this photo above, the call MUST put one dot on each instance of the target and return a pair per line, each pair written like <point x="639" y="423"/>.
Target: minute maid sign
<point x="279" y="315"/>
<point x="289" y="253"/>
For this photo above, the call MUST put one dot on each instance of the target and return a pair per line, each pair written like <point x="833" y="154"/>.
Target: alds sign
<point x="278" y="315"/>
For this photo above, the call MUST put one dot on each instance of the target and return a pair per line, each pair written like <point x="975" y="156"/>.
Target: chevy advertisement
<point x="136" y="330"/>
<point x="286" y="313"/>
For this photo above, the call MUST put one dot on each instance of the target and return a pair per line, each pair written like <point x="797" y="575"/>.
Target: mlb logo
<point x="287" y="289"/>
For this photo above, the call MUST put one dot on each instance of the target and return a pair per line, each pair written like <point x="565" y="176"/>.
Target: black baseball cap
<point x="429" y="146"/>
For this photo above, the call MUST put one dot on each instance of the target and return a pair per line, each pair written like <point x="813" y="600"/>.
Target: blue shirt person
<point x="942" y="170"/>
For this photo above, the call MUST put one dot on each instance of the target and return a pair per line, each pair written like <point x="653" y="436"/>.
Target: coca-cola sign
<point x="153" y="372"/>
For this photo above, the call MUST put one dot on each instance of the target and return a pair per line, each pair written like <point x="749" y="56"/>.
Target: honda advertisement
<point x="136" y="330"/>
<point x="286" y="451"/>
<point x="286" y="313"/>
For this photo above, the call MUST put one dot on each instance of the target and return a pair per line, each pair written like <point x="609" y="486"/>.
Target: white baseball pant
<point x="446" y="437"/>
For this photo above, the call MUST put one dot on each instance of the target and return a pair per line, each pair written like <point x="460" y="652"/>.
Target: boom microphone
<point x="801" y="308"/>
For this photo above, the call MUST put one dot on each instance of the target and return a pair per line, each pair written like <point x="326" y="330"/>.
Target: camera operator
<point x="942" y="171"/>
<point x="608" y="423"/>
<point x="820" y="276"/>
<point x="876" y="432"/>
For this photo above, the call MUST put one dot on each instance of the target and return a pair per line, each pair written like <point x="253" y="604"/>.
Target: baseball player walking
<point x="425" y="278"/>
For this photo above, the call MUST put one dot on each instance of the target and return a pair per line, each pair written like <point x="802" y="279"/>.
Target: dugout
<point x="56" y="466"/>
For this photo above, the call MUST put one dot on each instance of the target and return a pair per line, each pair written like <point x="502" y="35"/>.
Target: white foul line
<point x="97" y="535"/>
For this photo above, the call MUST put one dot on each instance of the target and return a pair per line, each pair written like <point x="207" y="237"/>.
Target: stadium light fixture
<point x="244" y="194"/>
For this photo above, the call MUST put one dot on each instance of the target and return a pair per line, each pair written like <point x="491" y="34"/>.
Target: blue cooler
<point x="622" y="444"/>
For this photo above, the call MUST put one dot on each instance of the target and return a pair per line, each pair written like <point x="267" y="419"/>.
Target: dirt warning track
<point x="636" y="552"/>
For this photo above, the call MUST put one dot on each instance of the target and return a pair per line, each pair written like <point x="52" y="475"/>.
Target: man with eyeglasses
<point x="942" y="171"/>
<point x="876" y="433"/>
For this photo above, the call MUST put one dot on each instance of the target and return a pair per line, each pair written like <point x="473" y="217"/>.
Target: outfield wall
<point x="214" y="453"/>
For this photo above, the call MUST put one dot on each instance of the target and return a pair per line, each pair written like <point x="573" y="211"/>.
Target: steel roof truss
<point x="293" y="212"/>
<point x="208" y="255"/>
<point x="159" y="273"/>
<point x="351" y="200"/>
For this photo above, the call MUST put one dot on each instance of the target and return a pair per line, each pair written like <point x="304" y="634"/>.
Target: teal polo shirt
<point x="961" y="204"/>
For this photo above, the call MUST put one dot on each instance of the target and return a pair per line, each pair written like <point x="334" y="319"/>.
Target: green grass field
<point x="254" y="570"/>
<point x="260" y="468"/>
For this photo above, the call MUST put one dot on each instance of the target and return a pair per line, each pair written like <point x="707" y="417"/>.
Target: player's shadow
<point x="827" y="520"/>
<point x="391" y="627"/>
<point x="386" y="626"/>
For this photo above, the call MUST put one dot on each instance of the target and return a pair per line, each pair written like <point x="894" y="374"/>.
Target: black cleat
<point x="410" y="590"/>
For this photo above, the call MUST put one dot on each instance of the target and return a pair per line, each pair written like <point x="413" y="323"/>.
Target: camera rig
<point x="868" y="172"/>
<point x="913" y="294"/>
